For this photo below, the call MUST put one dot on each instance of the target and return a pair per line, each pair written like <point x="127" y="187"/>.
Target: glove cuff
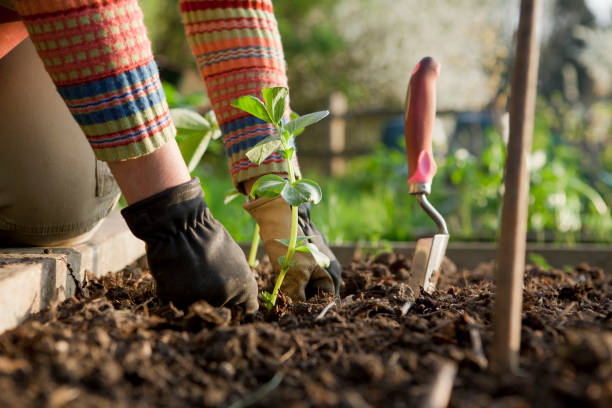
<point x="166" y="212"/>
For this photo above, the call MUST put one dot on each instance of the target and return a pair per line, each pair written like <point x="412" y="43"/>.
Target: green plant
<point x="538" y="260"/>
<point x="194" y="133"/>
<point x="295" y="192"/>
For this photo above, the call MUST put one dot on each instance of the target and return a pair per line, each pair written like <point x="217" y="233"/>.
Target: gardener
<point x="98" y="57"/>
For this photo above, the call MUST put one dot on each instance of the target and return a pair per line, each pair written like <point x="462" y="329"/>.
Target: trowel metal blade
<point x="426" y="262"/>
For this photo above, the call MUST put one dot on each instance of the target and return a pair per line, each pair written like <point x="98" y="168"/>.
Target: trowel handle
<point x="418" y="125"/>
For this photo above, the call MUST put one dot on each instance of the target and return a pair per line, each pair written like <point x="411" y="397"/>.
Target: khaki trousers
<point x="52" y="190"/>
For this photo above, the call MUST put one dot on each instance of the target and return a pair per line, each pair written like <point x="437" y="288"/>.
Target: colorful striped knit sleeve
<point x="99" y="57"/>
<point x="238" y="51"/>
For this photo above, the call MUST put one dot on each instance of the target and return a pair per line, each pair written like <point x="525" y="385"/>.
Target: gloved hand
<point x="191" y="255"/>
<point x="306" y="278"/>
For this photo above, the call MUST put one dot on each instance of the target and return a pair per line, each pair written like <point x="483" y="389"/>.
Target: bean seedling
<point x="295" y="192"/>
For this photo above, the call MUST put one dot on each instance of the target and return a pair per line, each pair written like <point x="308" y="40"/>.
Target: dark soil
<point x="116" y="345"/>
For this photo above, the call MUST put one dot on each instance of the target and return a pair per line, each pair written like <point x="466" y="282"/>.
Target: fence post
<point x="337" y="132"/>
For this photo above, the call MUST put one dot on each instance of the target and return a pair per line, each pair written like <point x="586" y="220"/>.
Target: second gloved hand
<point x="273" y="215"/>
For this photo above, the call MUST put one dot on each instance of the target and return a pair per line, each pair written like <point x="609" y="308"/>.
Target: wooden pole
<point x="512" y="242"/>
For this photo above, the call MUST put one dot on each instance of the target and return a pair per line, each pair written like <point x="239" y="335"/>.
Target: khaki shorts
<point x="52" y="189"/>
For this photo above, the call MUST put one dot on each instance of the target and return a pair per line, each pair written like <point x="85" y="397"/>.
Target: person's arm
<point x="99" y="56"/>
<point x="238" y="50"/>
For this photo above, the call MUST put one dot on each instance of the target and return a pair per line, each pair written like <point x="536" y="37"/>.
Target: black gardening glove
<point x="334" y="269"/>
<point x="191" y="255"/>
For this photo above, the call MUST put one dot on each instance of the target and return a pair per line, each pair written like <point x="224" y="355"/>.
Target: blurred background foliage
<point x="366" y="49"/>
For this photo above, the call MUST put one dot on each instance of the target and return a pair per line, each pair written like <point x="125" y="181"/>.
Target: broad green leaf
<point x="189" y="120"/>
<point x="300" y="123"/>
<point x="293" y="116"/>
<point x="320" y="258"/>
<point x="276" y="102"/>
<point x="254" y="106"/>
<point x="294" y="196"/>
<point x="299" y="240"/>
<point x="269" y="186"/>
<point x="230" y="195"/>
<point x="310" y="189"/>
<point x="260" y="152"/>
<point x="199" y="151"/>
<point x="263" y="149"/>
<point x="193" y="145"/>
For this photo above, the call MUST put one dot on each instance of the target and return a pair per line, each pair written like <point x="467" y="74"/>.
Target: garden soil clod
<point x="116" y="345"/>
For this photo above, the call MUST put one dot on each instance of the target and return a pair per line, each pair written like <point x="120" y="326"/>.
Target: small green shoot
<point x="271" y="109"/>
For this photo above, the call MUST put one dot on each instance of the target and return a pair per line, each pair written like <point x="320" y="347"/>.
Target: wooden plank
<point x="471" y="254"/>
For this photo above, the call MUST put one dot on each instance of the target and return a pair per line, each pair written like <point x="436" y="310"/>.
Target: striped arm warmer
<point x="99" y="57"/>
<point x="238" y="51"/>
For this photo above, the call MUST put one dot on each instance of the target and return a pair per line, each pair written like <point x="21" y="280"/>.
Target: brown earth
<point x="116" y="345"/>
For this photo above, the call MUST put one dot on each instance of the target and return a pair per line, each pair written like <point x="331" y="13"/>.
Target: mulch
<point x="116" y="345"/>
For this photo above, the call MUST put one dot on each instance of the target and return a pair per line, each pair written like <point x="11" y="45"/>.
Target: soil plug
<point x="418" y="125"/>
<point x="295" y="192"/>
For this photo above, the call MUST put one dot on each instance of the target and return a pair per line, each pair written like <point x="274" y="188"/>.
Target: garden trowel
<point x="418" y="127"/>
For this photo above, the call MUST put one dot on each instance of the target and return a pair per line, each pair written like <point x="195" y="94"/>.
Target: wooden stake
<point x="441" y="389"/>
<point x="512" y="242"/>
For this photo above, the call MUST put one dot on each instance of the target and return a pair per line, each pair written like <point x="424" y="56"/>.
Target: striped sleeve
<point x="238" y="50"/>
<point x="99" y="56"/>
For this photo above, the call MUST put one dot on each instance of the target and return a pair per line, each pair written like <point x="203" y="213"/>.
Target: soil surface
<point x="116" y="345"/>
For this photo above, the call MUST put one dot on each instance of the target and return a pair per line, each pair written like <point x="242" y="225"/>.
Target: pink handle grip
<point x="419" y="121"/>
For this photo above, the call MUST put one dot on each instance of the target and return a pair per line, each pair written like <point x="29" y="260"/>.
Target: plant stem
<point x="254" y="246"/>
<point x="292" y="237"/>
<point x="289" y="256"/>
<point x="290" y="169"/>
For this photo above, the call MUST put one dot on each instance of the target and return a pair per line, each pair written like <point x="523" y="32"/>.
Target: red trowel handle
<point x="418" y="125"/>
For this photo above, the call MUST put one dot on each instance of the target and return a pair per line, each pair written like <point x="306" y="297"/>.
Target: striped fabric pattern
<point x="99" y="56"/>
<point x="238" y="51"/>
